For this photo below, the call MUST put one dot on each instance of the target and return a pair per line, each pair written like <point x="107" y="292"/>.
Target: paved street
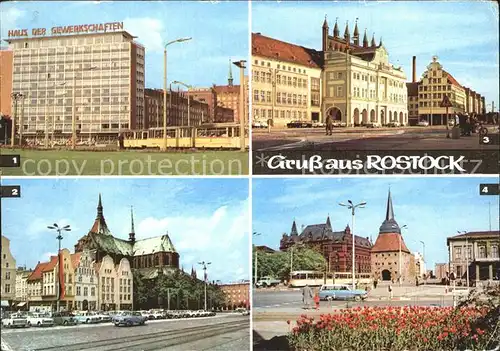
<point x="406" y="138"/>
<point x="223" y="332"/>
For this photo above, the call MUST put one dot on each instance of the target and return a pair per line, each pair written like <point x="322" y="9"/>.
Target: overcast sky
<point x="206" y="219"/>
<point x="219" y="31"/>
<point x="464" y="35"/>
<point x="433" y="208"/>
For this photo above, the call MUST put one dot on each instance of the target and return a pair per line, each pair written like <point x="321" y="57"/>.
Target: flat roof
<point x="123" y="32"/>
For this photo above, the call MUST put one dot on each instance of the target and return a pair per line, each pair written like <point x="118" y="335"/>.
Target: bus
<point x="300" y="279"/>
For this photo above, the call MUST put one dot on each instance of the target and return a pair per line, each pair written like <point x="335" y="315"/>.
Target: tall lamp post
<point x="353" y="207"/>
<point x="466" y="254"/>
<point x="16" y="97"/>
<point x="205" y="264"/>
<point x="188" y="87"/>
<point x="241" y="65"/>
<point x="256" y="261"/>
<point x="180" y="40"/>
<point x="59" y="237"/>
<point x="73" y="109"/>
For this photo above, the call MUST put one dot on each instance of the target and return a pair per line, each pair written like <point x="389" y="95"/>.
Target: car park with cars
<point x="341" y="292"/>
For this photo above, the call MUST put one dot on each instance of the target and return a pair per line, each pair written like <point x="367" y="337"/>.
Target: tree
<point x="141" y="292"/>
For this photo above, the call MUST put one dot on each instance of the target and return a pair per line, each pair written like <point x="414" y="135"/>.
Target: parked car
<point x="373" y="125"/>
<point x="423" y="123"/>
<point x="64" y="318"/>
<point x="39" y="320"/>
<point x="341" y="292"/>
<point x="267" y="282"/>
<point x="157" y="314"/>
<point x="337" y="124"/>
<point x="104" y="317"/>
<point x="87" y="318"/>
<point x="147" y="314"/>
<point x="394" y="124"/>
<point x="15" y="320"/>
<point x="129" y="319"/>
<point x="242" y="311"/>
<point x="318" y="125"/>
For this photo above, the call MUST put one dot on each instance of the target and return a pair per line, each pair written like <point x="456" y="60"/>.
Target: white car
<point x="423" y="123"/>
<point x="157" y="314"/>
<point x="318" y="125"/>
<point x="394" y="124"/>
<point x="373" y="125"/>
<point x="103" y="317"/>
<point x="39" y="320"/>
<point x="15" y="321"/>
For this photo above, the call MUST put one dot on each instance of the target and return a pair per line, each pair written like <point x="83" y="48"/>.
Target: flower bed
<point x="397" y="328"/>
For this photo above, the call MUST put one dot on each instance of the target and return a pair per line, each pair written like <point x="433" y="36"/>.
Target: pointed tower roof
<point x="100" y="226"/>
<point x="336" y="31"/>
<point x="131" y="235"/>
<point x="230" y="77"/>
<point x="325" y="23"/>
<point x="294" y="229"/>
<point x="373" y="44"/>
<point x="389" y="225"/>
<point x="347" y="34"/>
<point x="356" y="31"/>
<point x="365" y="40"/>
<point x="328" y="223"/>
<point x="380" y="42"/>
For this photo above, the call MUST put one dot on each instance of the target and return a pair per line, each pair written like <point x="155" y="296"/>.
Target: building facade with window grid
<point x="477" y="252"/>
<point x="237" y="295"/>
<point x="108" y="69"/>
<point x="286" y="81"/>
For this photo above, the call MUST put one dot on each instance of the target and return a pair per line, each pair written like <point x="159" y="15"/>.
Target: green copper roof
<point x="153" y="245"/>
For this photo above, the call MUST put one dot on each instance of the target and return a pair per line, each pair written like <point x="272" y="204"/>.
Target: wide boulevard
<point x="222" y="332"/>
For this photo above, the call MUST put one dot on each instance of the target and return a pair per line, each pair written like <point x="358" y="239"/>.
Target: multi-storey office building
<point x="286" y="81"/>
<point x="97" y="77"/>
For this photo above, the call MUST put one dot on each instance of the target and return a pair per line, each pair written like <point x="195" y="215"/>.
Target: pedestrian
<point x="316" y="301"/>
<point x="391" y="295"/>
<point x="329" y="125"/>
<point x="307" y="295"/>
<point x="375" y="282"/>
<point x="121" y="141"/>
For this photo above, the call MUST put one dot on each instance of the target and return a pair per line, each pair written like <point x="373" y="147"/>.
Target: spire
<point x="99" y="207"/>
<point x="230" y="79"/>
<point x="325" y="23"/>
<point x="356" y="33"/>
<point x="131" y="235"/>
<point x="347" y="35"/>
<point x="365" y="40"/>
<point x="336" y="31"/>
<point x="294" y="229"/>
<point x="328" y="223"/>
<point x="389" y="225"/>
<point x="373" y="41"/>
<point x="380" y="42"/>
<point x="193" y="273"/>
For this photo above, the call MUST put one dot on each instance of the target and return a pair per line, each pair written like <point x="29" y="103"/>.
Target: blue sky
<point x="219" y="31"/>
<point x="464" y="35"/>
<point x="432" y="208"/>
<point x="207" y="219"/>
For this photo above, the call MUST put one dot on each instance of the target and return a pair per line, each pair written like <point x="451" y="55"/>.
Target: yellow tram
<point x="314" y="278"/>
<point x="208" y="136"/>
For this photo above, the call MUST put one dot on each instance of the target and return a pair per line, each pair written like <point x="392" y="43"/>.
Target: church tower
<point x="230" y="77"/>
<point x="390" y="257"/>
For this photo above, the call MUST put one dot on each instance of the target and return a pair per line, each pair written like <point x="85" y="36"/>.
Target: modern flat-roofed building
<point x="96" y="75"/>
<point x="237" y="294"/>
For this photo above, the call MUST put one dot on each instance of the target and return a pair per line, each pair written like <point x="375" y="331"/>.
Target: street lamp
<point x="73" y="117"/>
<point x="466" y="254"/>
<point x="205" y="264"/>
<point x="256" y="261"/>
<point x="59" y="237"/>
<point x="400" y="240"/>
<point x="241" y="65"/>
<point x="353" y="207"/>
<point x="180" y="40"/>
<point x="188" y="87"/>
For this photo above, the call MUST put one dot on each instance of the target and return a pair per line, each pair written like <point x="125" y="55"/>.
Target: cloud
<point x="149" y="30"/>
<point x="9" y="18"/>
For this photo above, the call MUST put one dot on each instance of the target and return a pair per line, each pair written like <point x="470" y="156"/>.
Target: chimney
<point x="414" y="69"/>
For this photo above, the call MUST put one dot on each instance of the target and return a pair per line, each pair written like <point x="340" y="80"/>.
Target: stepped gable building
<point x="360" y="85"/>
<point x="336" y="247"/>
<point x="386" y="251"/>
<point x="149" y="256"/>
